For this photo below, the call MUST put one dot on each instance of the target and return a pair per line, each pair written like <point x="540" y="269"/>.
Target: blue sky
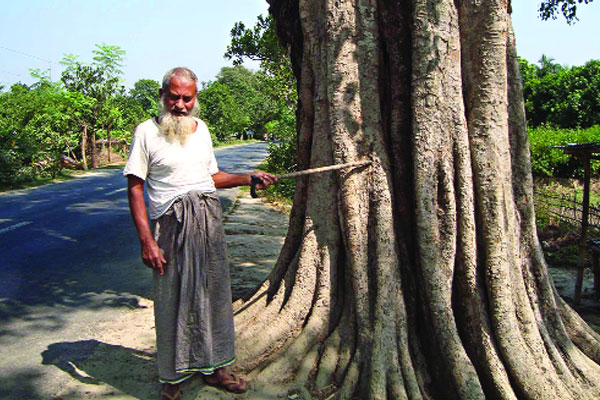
<point x="36" y="34"/>
<point x="567" y="44"/>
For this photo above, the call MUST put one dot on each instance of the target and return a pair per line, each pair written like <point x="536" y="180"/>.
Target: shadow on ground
<point x="95" y="363"/>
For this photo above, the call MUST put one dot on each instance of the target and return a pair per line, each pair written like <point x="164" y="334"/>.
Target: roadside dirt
<point x="118" y="363"/>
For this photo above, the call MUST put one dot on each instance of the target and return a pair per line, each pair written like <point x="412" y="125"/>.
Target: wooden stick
<point x="324" y="169"/>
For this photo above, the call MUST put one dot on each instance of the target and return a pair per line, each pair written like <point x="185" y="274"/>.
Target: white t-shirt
<point x="170" y="169"/>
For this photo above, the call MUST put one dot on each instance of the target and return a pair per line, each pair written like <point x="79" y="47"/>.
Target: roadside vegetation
<point x="85" y="120"/>
<point x="562" y="107"/>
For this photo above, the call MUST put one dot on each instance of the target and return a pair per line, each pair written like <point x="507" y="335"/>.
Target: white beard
<point x="177" y="127"/>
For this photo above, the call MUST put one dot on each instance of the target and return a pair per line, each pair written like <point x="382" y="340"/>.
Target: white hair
<point x="180" y="72"/>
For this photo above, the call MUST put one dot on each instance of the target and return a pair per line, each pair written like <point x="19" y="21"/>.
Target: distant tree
<point x="55" y="126"/>
<point x="38" y="125"/>
<point x="110" y="116"/>
<point x="89" y="81"/>
<point x="565" y="97"/>
<point x="578" y="104"/>
<point x="261" y="43"/>
<point x="70" y="61"/>
<point x="251" y="95"/>
<point x="17" y="107"/>
<point x="42" y="76"/>
<point x="110" y="59"/>
<point x="220" y="111"/>
<point x="548" y="66"/>
<point x="101" y="81"/>
<point x="41" y="123"/>
<point x="145" y="93"/>
<point x="132" y="114"/>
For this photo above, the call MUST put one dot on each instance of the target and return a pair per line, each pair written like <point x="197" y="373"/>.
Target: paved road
<point x="69" y="259"/>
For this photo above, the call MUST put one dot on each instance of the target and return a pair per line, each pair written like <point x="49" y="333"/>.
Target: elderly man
<point x="173" y="154"/>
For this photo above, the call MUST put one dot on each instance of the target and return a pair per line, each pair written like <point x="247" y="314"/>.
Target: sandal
<point x="232" y="384"/>
<point x="168" y="396"/>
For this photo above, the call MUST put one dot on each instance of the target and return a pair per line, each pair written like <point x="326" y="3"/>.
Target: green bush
<point x="282" y="159"/>
<point x="552" y="162"/>
<point x="566" y="97"/>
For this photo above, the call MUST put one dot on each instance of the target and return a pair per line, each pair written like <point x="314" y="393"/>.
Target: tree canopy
<point x="561" y="96"/>
<point x="44" y="124"/>
<point x="568" y="8"/>
<point x="262" y="43"/>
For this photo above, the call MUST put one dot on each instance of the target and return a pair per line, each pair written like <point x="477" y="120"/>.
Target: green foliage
<point x="261" y="43"/>
<point x="566" y="97"/>
<point x="251" y="95"/>
<point x="37" y="126"/>
<point x="145" y="93"/>
<point x="282" y="156"/>
<point x="220" y="111"/>
<point x="109" y="58"/>
<point x="568" y="8"/>
<point x="43" y="76"/>
<point x="17" y="108"/>
<point x="132" y="114"/>
<point x="551" y="162"/>
<point x="282" y="159"/>
<point x="240" y="100"/>
<point x="42" y="123"/>
<point x="279" y="85"/>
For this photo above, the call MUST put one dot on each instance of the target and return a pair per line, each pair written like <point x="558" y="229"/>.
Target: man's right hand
<point x="152" y="256"/>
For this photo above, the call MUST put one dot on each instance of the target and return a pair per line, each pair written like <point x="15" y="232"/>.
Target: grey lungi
<point x="192" y="300"/>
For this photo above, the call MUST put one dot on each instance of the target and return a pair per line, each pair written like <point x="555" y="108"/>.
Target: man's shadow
<point x="92" y="362"/>
<point x="130" y="371"/>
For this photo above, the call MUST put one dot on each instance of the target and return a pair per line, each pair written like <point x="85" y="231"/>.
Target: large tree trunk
<point x="420" y="276"/>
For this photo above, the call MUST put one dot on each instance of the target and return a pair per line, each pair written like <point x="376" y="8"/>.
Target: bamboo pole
<point x="584" y="228"/>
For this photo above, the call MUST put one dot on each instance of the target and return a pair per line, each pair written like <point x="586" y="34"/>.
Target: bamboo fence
<point x="564" y="209"/>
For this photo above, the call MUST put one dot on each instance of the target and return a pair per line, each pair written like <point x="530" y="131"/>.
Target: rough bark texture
<point x="420" y="276"/>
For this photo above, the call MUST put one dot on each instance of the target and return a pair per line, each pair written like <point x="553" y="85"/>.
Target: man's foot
<point x="224" y="380"/>
<point x="170" y="392"/>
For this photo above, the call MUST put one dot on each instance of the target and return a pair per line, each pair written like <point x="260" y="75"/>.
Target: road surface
<point x="70" y="259"/>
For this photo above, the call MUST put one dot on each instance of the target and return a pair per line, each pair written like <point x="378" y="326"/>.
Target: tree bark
<point x="420" y="276"/>
<point x="93" y="150"/>
<point x="109" y="143"/>
<point x="84" y="140"/>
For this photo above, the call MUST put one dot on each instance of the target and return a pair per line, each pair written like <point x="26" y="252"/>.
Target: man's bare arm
<point x="225" y="180"/>
<point x="151" y="254"/>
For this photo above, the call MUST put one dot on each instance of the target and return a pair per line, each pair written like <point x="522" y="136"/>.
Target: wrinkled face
<point x="180" y="98"/>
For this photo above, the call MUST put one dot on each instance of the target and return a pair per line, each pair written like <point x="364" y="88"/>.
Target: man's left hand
<point x="265" y="178"/>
